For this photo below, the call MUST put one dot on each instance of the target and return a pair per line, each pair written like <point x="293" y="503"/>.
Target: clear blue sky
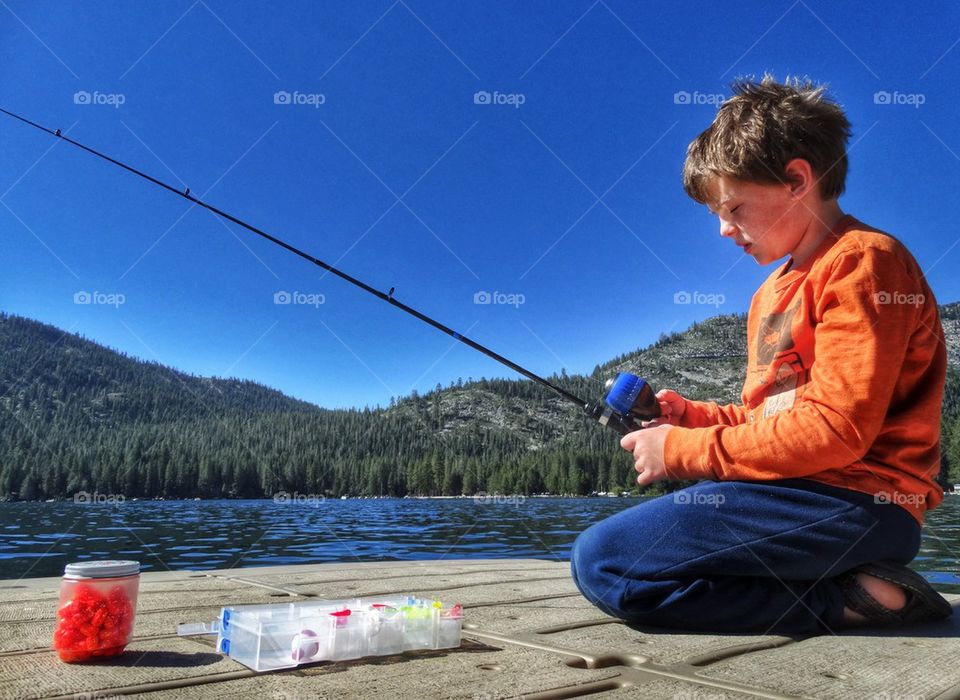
<point x="562" y="189"/>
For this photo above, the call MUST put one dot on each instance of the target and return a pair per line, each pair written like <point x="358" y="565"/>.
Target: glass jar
<point x="98" y="601"/>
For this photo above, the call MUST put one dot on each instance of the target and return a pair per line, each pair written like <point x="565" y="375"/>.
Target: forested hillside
<point x="80" y="417"/>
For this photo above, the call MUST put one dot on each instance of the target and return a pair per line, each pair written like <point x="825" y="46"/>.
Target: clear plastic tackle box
<point x="285" y="635"/>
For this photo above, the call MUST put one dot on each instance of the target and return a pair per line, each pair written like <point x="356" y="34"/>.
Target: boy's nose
<point x="727" y="228"/>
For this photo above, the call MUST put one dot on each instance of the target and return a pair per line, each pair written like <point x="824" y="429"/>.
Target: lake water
<point x="38" y="539"/>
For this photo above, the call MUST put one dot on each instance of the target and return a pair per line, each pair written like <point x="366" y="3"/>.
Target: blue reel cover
<point x="626" y="387"/>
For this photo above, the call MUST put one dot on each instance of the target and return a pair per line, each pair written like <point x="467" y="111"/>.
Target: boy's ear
<point x="800" y="176"/>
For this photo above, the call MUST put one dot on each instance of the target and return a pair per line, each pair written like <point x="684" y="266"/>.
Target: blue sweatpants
<point x="738" y="556"/>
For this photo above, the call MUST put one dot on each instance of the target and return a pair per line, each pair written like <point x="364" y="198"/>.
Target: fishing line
<point x="628" y="401"/>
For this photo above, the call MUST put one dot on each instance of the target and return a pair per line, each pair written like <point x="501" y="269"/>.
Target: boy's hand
<point x="647" y="448"/>
<point x="672" y="406"/>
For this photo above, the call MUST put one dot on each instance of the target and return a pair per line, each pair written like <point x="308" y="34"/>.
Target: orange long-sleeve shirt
<point x="845" y="373"/>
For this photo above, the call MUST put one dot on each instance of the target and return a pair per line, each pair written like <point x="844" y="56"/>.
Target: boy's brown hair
<point x="763" y="127"/>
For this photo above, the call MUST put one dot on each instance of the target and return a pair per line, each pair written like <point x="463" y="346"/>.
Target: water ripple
<point x="38" y="539"/>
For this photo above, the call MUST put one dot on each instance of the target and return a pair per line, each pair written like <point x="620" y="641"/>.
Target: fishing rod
<point x="628" y="400"/>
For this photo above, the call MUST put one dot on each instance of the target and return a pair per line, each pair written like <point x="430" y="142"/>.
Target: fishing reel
<point x="628" y="401"/>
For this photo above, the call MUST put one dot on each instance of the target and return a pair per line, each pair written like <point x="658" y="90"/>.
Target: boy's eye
<point x="735" y="208"/>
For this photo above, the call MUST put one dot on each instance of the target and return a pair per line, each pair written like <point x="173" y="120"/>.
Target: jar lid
<point x="102" y="569"/>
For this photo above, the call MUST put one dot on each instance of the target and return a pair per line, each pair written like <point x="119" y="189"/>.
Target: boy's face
<point x="763" y="219"/>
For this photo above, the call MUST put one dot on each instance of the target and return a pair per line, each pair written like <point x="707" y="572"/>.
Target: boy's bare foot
<point x="889" y="595"/>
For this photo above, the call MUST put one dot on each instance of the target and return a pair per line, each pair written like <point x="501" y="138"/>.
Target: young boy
<point x="816" y="486"/>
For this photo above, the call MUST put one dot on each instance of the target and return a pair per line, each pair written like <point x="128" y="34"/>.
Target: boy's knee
<point x="579" y="556"/>
<point x="583" y="561"/>
<point x="590" y="548"/>
<point x="616" y="547"/>
<point x="594" y="568"/>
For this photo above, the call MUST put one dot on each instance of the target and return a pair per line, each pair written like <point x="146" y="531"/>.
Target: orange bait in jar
<point x="98" y="600"/>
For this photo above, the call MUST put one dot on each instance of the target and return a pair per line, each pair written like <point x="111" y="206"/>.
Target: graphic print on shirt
<point x="775" y="336"/>
<point x="786" y="382"/>
<point x="778" y="363"/>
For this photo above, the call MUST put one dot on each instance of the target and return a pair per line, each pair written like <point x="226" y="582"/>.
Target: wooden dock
<point x="527" y="632"/>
